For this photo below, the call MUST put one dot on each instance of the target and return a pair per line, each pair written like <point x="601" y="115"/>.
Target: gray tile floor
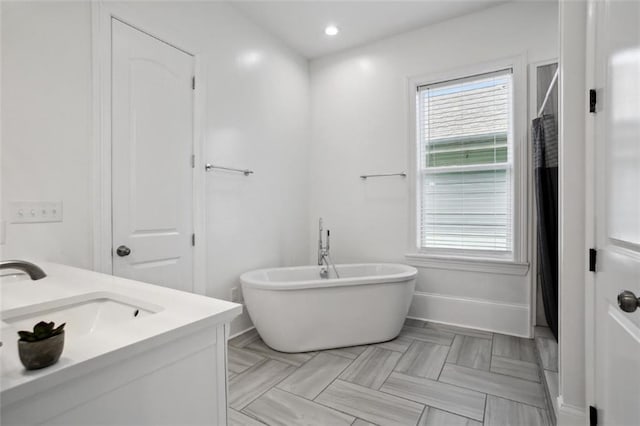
<point x="548" y="360"/>
<point x="430" y="375"/>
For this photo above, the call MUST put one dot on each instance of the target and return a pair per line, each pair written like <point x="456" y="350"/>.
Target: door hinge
<point x="111" y="251"/>
<point x="193" y="161"/>
<point x="193" y="239"/>
<point x="593" y="99"/>
<point x="593" y="255"/>
<point x="193" y="83"/>
<point x="593" y="416"/>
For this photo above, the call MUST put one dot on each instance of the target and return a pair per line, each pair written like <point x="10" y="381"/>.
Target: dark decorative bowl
<point x="41" y="354"/>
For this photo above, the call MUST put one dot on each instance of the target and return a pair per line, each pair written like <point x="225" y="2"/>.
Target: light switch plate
<point x="36" y="211"/>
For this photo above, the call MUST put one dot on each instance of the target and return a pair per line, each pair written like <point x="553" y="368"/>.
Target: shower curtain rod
<point x="546" y="97"/>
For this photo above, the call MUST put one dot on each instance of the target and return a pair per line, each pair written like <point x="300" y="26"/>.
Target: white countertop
<point x="178" y="313"/>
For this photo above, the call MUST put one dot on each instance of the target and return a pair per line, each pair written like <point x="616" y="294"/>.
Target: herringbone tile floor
<point x="429" y="375"/>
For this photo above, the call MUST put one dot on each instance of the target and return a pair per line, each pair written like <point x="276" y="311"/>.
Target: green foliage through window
<point x="477" y="149"/>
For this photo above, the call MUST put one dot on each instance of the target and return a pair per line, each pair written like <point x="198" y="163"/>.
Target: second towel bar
<point x="208" y="167"/>
<point x="403" y="174"/>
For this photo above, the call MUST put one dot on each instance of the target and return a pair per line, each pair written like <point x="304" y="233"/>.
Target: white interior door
<point x="152" y="145"/>
<point x="617" y="336"/>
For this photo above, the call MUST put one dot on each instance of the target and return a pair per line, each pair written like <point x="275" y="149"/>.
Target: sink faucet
<point x="34" y="271"/>
<point x="323" y="254"/>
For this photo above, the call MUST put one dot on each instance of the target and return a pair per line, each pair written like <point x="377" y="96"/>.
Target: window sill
<point x="491" y="266"/>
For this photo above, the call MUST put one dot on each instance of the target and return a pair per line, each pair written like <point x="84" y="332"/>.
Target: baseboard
<point x="570" y="415"/>
<point x="240" y="333"/>
<point x="484" y="315"/>
<point x="497" y="317"/>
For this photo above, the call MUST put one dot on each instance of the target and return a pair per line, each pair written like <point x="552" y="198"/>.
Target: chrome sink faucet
<point x="323" y="254"/>
<point x="34" y="271"/>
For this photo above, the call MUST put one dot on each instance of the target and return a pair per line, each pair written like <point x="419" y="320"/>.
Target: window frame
<point x="477" y="259"/>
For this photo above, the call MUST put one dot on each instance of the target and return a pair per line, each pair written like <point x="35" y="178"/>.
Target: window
<point x="465" y="166"/>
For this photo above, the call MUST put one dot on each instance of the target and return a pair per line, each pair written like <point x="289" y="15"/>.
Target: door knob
<point x="123" y="251"/>
<point x="628" y="301"/>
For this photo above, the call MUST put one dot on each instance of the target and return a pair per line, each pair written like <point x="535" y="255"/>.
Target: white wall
<point x="360" y="123"/>
<point x="46" y="134"/>
<point x="256" y="116"/>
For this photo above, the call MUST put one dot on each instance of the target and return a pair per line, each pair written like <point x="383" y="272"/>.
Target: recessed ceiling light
<point x="331" y="30"/>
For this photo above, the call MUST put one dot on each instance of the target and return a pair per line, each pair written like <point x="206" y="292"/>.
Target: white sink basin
<point x="13" y="278"/>
<point x="84" y="315"/>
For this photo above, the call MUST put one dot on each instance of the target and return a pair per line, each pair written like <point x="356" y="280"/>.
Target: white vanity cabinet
<point x="167" y="367"/>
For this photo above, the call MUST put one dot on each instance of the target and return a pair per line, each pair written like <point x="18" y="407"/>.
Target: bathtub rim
<point x="251" y="280"/>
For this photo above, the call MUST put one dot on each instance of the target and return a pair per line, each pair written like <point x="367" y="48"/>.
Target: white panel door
<point x="152" y="144"/>
<point x="617" y="336"/>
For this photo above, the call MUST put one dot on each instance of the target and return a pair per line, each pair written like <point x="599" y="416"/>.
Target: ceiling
<point x="300" y="24"/>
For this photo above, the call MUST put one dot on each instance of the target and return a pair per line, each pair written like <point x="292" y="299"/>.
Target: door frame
<point x="591" y="74"/>
<point x="102" y="14"/>
<point x="576" y="226"/>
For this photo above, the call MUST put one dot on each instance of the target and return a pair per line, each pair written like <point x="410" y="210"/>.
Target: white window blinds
<point x="465" y="164"/>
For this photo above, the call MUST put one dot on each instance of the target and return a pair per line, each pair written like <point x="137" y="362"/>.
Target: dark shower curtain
<point x="545" y="148"/>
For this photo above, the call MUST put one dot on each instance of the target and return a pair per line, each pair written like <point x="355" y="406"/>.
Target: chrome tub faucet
<point x="323" y="254"/>
<point x="323" y="251"/>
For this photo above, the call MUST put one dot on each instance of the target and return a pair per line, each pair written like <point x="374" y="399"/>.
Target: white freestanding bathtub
<point x="294" y="310"/>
